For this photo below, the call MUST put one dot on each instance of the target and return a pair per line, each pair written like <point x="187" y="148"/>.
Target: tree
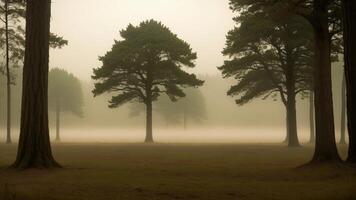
<point x="349" y="13"/>
<point x="34" y="149"/>
<point x="191" y="108"/>
<point x="148" y="62"/>
<point x="65" y="95"/>
<point x="269" y="58"/>
<point x="12" y="37"/>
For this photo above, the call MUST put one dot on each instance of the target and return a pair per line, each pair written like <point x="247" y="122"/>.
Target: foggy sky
<point x="92" y="25"/>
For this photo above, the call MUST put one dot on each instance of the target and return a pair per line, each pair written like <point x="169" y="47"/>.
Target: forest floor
<point x="169" y="171"/>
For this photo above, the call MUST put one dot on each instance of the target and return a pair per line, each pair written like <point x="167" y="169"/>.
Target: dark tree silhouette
<point x="349" y="12"/>
<point x="34" y="150"/>
<point x="311" y="117"/>
<point x="270" y="58"/>
<point x="146" y="64"/>
<point x="65" y="95"/>
<point x="12" y="37"/>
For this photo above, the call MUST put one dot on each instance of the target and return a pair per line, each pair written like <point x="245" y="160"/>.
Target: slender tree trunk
<point x="58" y="121"/>
<point x="349" y="7"/>
<point x="8" y="75"/>
<point x="149" y="132"/>
<point x="311" y="117"/>
<point x="287" y="128"/>
<point x="325" y="145"/>
<point x="34" y="150"/>
<point x="343" y="113"/>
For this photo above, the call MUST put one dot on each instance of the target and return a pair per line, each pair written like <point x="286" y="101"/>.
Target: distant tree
<point x="146" y="64"/>
<point x="269" y="58"/>
<point x="34" y="149"/>
<point x="349" y="16"/>
<point x="191" y="108"/>
<point x="12" y="39"/>
<point x="65" y="95"/>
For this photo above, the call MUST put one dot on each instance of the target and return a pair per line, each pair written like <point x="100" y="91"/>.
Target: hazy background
<point x="91" y="27"/>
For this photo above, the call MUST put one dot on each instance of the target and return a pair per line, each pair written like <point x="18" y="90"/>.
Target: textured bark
<point x="34" y="150"/>
<point x="343" y="113"/>
<point x="8" y="75"/>
<point x="350" y="71"/>
<point x="325" y="145"/>
<point x="311" y="117"/>
<point x="58" y="122"/>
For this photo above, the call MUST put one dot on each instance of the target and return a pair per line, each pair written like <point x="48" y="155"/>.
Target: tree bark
<point x="34" y="150"/>
<point x="293" y="140"/>
<point x="149" y="132"/>
<point x="343" y="113"/>
<point x="312" y="117"/>
<point x="8" y="75"/>
<point x="349" y="10"/>
<point x="325" y="145"/>
<point x="58" y="122"/>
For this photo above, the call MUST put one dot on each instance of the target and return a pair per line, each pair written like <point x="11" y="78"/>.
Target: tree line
<point x="278" y="48"/>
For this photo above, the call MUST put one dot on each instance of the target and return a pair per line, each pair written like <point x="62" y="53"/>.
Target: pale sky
<point x="92" y="25"/>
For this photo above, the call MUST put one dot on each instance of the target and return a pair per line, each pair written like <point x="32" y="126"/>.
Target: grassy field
<point x="162" y="171"/>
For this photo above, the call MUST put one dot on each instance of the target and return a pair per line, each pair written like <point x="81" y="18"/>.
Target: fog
<point x="91" y="29"/>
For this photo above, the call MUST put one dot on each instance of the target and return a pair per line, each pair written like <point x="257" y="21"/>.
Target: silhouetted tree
<point x="146" y="64"/>
<point x="270" y="58"/>
<point x="349" y="12"/>
<point x="65" y="95"/>
<point x="12" y="36"/>
<point x="34" y="149"/>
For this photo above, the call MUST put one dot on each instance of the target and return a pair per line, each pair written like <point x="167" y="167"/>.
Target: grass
<point x="170" y="171"/>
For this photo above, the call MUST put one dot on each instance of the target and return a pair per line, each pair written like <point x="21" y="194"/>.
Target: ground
<point x="179" y="171"/>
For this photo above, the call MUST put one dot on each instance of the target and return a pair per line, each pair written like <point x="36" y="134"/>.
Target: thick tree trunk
<point x="149" y="133"/>
<point x="8" y="75"/>
<point x="325" y="145"/>
<point x="287" y="128"/>
<point x="293" y="140"/>
<point x="58" y="122"/>
<point x="311" y="118"/>
<point x="350" y="71"/>
<point x="343" y="113"/>
<point x="34" y="150"/>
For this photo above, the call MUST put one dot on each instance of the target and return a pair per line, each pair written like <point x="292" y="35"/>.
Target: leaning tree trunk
<point x="58" y="122"/>
<point x="350" y="71"/>
<point x="8" y="75"/>
<point x="325" y="145"/>
<point x="34" y="150"/>
<point x="311" y="118"/>
<point x="343" y="113"/>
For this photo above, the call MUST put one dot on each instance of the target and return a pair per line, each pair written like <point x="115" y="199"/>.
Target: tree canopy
<point x="65" y="91"/>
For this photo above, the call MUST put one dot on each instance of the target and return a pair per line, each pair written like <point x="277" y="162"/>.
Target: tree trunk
<point x="325" y="145"/>
<point x="34" y="150"/>
<point x="350" y="71"/>
<point x="149" y="134"/>
<point x="58" y="122"/>
<point x="8" y="75"/>
<point x="287" y="129"/>
<point x="311" y="117"/>
<point x="343" y="113"/>
<point x="293" y="140"/>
